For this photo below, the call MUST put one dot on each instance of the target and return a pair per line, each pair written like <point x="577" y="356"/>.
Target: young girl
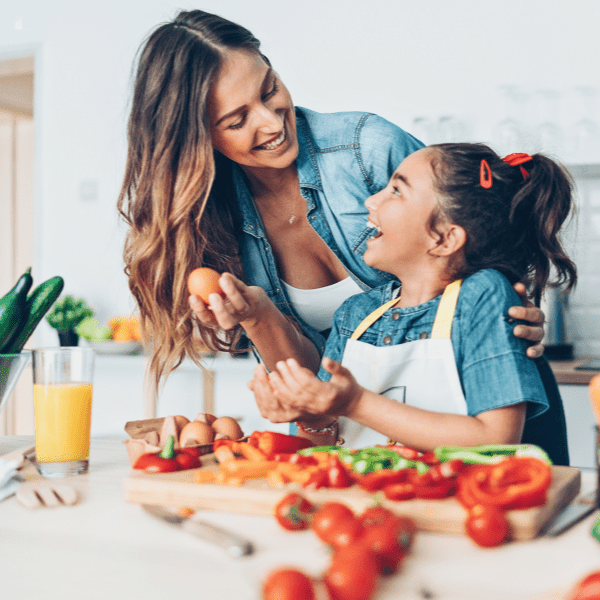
<point x="435" y="361"/>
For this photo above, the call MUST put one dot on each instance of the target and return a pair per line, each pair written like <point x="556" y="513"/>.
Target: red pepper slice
<point x="377" y="480"/>
<point x="516" y="482"/>
<point x="434" y="489"/>
<point x="296" y="459"/>
<point x="272" y="442"/>
<point x="337" y="474"/>
<point x="317" y="480"/>
<point x="399" y="491"/>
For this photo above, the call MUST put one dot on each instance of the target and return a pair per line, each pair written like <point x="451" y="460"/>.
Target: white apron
<point x="421" y="373"/>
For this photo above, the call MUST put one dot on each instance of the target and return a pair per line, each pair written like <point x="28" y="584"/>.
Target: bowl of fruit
<point x="121" y="335"/>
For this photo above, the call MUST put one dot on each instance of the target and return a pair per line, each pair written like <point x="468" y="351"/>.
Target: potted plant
<point x="65" y="315"/>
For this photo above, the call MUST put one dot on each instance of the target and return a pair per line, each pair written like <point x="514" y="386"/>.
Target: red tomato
<point x="588" y="588"/>
<point x="288" y="584"/>
<point x="383" y="542"/>
<point x="352" y="574"/>
<point x="294" y="512"/>
<point x="203" y="282"/>
<point x="329" y="518"/>
<point x="487" y="526"/>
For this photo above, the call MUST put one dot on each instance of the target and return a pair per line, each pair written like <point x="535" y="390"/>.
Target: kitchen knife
<point x="234" y="545"/>
<point x="571" y="515"/>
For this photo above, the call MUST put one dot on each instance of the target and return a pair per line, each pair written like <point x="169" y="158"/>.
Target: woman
<point x="223" y="171"/>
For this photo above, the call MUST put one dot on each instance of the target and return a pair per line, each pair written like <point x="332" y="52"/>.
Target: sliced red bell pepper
<point x="318" y="479"/>
<point x="377" y="480"/>
<point x="399" y="491"/>
<point x="516" y="482"/>
<point x="296" y="459"/>
<point x="272" y="442"/>
<point x="337" y="474"/>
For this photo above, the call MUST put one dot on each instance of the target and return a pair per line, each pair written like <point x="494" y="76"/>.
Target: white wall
<point x="397" y="58"/>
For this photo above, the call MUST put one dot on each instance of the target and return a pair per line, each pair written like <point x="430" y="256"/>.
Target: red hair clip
<point x="485" y="175"/>
<point x="516" y="159"/>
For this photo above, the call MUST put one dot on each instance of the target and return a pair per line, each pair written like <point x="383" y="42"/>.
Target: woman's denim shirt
<point x="492" y="363"/>
<point x="343" y="159"/>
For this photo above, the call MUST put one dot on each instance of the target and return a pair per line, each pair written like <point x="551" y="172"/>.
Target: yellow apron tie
<point x="442" y="326"/>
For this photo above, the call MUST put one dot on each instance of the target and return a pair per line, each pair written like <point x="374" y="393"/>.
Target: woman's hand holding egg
<point x="225" y="301"/>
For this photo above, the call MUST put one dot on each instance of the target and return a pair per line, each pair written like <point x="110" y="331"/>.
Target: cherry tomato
<point x="329" y="517"/>
<point x="352" y="574"/>
<point x="588" y="588"/>
<point x="294" y="512"/>
<point x="288" y="584"/>
<point x="487" y="526"/>
<point x="383" y="542"/>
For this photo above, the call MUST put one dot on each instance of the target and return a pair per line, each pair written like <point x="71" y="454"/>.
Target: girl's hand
<point x="242" y="304"/>
<point x="269" y="406"/>
<point x="297" y="387"/>
<point x="529" y="312"/>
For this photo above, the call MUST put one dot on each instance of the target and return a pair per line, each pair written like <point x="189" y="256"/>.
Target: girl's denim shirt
<point x="343" y="159"/>
<point x="492" y="363"/>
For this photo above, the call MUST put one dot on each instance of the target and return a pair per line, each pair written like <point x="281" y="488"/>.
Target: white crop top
<point x="317" y="306"/>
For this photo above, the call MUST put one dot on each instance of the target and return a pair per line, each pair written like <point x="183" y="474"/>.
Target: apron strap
<point x="442" y="326"/>
<point x="374" y="316"/>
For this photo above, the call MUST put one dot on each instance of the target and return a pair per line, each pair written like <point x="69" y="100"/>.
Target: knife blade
<point x="571" y="515"/>
<point x="234" y="545"/>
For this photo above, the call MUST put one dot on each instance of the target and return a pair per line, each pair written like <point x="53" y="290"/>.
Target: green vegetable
<point x="490" y="454"/>
<point x="596" y="530"/>
<point x="12" y="310"/>
<point x="90" y="329"/>
<point x="68" y="313"/>
<point x="37" y="305"/>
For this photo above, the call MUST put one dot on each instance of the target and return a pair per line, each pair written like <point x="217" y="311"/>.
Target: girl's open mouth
<point x="375" y="231"/>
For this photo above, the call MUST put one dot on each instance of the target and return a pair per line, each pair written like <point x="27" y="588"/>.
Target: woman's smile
<point x="275" y="143"/>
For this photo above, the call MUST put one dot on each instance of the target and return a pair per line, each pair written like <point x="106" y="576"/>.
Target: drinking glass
<point x="62" y="395"/>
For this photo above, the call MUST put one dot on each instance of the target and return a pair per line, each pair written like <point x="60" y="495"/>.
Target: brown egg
<point x="228" y="426"/>
<point x="196" y="433"/>
<point x="206" y="418"/>
<point x="181" y="421"/>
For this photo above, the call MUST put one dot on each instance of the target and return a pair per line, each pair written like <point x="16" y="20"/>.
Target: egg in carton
<point x="150" y="435"/>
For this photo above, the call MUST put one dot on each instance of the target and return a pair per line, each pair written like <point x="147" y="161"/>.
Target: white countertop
<point x="104" y="548"/>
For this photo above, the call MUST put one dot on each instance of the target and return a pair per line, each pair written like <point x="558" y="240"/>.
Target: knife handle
<point x="234" y="545"/>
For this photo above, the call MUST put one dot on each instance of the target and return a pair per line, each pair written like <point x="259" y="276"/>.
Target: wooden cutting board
<point x="258" y="497"/>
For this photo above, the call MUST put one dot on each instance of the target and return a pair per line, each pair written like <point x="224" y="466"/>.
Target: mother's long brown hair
<point x="177" y="194"/>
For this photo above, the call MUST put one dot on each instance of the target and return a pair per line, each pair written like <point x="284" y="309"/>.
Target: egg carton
<point x="150" y="435"/>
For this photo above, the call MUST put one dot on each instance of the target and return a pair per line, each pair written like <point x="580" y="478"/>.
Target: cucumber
<point x="37" y="305"/>
<point x="13" y="310"/>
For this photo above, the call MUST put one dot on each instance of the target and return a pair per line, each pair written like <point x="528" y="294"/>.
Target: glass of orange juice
<point x="62" y="396"/>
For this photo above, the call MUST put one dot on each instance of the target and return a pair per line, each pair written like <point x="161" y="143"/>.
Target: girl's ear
<point x="453" y="238"/>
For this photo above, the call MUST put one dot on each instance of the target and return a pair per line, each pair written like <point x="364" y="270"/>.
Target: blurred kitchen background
<point x="522" y="76"/>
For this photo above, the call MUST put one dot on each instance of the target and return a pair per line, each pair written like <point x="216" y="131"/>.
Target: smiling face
<point x="401" y="213"/>
<point x="252" y="115"/>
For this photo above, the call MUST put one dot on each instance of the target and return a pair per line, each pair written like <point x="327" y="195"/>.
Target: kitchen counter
<point x="566" y="372"/>
<point x="104" y="547"/>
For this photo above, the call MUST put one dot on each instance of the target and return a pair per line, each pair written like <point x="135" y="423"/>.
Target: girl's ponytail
<point x="538" y="211"/>
<point x="512" y="210"/>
